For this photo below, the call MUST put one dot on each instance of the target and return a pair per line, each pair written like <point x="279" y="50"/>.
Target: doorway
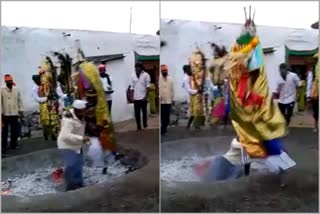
<point x="300" y="63"/>
<point x="151" y="66"/>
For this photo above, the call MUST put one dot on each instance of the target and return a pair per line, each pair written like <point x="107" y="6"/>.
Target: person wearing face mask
<point x="166" y="98"/>
<point x="12" y="108"/>
<point x="287" y="91"/>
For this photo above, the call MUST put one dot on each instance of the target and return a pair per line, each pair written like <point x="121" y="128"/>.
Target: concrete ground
<point x="36" y="143"/>
<point x="249" y="194"/>
<point x="135" y="192"/>
<point x="302" y="119"/>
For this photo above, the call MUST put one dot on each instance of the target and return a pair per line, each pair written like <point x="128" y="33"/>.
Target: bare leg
<point x="283" y="175"/>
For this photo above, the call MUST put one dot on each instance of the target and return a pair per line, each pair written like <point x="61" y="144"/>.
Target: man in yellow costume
<point x="257" y="121"/>
<point x="49" y="117"/>
<point x="98" y="118"/>
<point x="197" y="83"/>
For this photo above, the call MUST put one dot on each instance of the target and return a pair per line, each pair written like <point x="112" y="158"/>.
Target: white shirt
<point x="309" y="83"/>
<point x="71" y="133"/>
<point x="186" y="85"/>
<point x="62" y="96"/>
<point x="140" y="85"/>
<point x="288" y="88"/>
<point x="185" y="80"/>
<point x="35" y="94"/>
<point x="107" y="87"/>
<point x="38" y="99"/>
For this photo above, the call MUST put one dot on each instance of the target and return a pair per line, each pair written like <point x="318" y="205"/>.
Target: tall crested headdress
<point x="249" y="28"/>
<point x="80" y="57"/>
<point x="65" y="73"/>
<point x="46" y="65"/>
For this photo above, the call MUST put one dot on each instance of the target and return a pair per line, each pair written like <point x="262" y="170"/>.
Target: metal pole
<point x="130" y="24"/>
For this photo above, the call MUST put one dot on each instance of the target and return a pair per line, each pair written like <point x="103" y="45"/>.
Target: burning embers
<point x="50" y="180"/>
<point x="6" y="187"/>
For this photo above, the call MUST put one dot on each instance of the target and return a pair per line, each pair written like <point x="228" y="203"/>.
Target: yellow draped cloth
<point x="152" y="98"/>
<point x="197" y="83"/>
<point x="255" y="117"/>
<point x="49" y="117"/>
<point x="196" y="106"/>
<point x="103" y="117"/>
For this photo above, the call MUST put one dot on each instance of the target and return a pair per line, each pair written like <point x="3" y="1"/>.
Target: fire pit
<point x="39" y="181"/>
<point x="178" y="158"/>
<point x="30" y="176"/>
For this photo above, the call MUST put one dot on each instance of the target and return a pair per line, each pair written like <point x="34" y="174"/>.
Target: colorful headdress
<point x="247" y="51"/>
<point x="79" y="55"/>
<point x="198" y="67"/>
<point x="46" y="65"/>
<point x="216" y="69"/>
<point x="219" y="51"/>
<point x="64" y="77"/>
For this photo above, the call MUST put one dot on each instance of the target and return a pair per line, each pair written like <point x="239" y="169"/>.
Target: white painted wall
<point x="182" y="37"/>
<point x="22" y="51"/>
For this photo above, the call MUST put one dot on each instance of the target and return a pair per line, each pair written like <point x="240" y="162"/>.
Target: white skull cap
<point x="79" y="104"/>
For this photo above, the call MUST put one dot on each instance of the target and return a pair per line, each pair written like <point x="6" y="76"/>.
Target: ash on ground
<point x="182" y="170"/>
<point x="40" y="181"/>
